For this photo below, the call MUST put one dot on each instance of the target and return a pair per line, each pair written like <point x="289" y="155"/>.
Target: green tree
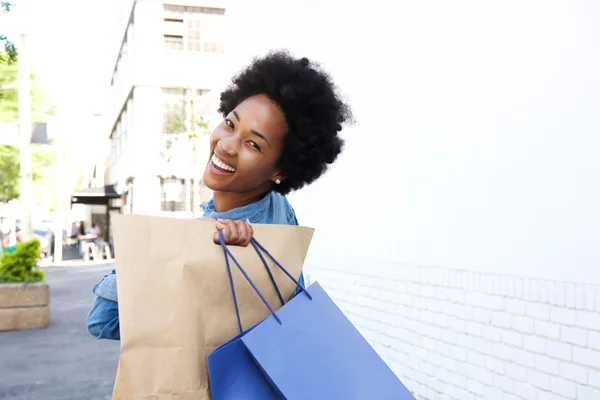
<point x="182" y="120"/>
<point x="175" y="118"/>
<point x="41" y="158"/>
<point x="9" y="93"/>
<point x="9" y="56"/>
<point x="9" y="173"/>
<point x="181" y="116"/>
<point x="184" y="126"/>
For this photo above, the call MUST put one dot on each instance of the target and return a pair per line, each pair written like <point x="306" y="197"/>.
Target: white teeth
<point x="221" y="164"/>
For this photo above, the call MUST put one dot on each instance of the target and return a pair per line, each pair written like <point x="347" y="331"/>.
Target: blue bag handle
<point x="259" y="248"/>
<point x="252" y="241"/>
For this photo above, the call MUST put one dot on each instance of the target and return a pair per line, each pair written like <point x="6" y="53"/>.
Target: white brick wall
<point x="452" y="334"/>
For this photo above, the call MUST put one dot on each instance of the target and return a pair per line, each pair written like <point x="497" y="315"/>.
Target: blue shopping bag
<point x="308" y="349"/>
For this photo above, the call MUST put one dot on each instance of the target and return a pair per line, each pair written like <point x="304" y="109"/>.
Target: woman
<point x="282" y="118"/>
<point x="95" y="230"/>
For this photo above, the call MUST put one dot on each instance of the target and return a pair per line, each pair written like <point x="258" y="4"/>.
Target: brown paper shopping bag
<point x="175" y="301"/>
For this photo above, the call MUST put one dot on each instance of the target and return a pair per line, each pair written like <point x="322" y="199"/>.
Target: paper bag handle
<point x="258" y="247"/>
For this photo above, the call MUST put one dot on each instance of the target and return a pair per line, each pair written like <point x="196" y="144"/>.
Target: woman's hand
<point x="235" y="233"/>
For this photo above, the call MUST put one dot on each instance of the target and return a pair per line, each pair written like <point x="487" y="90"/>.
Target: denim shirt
<point x="103" y="318"/>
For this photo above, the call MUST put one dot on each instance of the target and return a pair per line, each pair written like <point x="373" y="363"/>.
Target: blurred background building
<point x="160" y="104"/>
<point x="163" y="74"/>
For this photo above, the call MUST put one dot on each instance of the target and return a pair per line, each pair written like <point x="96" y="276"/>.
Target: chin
<point x="215" y="184"/>
<point x="209" y="181"/>
<point x="211" y="186"/>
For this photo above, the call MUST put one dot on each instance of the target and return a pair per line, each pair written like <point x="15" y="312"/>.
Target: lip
<point x="223" y="159"/>
<point x="217" y="171"/>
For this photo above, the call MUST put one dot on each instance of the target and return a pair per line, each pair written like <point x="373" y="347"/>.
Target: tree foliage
<point x="41" y="107"/>
<point x="185" y="125"/>
<point x="9" y="56"/>
<point x="9" y="173"/>
<point x="41" y="159"/>
<point x="177" y="118"/>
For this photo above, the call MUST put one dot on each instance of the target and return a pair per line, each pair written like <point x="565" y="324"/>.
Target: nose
<point x="228" y="145"/>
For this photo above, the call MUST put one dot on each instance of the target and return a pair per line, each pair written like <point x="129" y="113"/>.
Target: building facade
<point x="169" y="58"/>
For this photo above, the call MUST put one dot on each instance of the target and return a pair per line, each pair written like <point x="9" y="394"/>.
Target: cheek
<point x="215" y="136"/>
<point x="214" y="139"/>
<point x="256" y="165"/>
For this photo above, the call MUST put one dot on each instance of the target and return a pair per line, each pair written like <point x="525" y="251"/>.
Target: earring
<point x="277" y="181"/>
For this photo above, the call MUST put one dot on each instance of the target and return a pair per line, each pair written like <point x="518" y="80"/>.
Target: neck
<point x="225" y="201"/>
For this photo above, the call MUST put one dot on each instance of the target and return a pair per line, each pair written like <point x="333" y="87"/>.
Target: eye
<point x="229" y="123"/>
<point x="255" y="145"/>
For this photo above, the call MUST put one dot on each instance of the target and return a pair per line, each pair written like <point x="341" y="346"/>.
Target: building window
<point x="194" y="34"/>
<point x="173" y="196"/>
<point x="194" y="29"/>
<point x="173" y="42"/>
<point x="113" y="147"/>
<point x="174" y="110"/>
<point x="123" y="131"/>
<point x="177" y="105"/>
<point x="124" y="52"/>
<point x="117" y="140"/>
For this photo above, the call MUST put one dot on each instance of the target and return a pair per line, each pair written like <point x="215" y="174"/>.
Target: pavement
<point x="62" y="362"/>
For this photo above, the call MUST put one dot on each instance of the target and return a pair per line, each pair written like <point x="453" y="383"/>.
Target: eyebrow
<point x="260" y="135"/>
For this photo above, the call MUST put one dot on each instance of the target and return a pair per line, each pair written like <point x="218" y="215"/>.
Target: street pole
<point x="189" y="133"/>
<point x="195" y="167"/>
<point x="25" y="126"/>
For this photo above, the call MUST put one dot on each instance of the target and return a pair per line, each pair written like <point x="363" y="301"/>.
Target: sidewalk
<point x="62" y="362"/>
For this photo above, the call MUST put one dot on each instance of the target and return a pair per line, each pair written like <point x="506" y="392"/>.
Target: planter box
<point x="24" y="306"/>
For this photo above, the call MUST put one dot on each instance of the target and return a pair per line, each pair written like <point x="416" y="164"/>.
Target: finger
<point x="226" y="231"/>
<point x="221" y="223"/>
<point x="232" y="231"/>
<point x="250" y="231"/>
<point x="243" y="233"/>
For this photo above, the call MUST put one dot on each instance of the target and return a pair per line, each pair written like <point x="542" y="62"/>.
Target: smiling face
<point x="245" y="148"/>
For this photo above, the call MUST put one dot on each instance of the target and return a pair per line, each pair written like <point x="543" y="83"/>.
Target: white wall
<point x="475" y="155"/>
<point x="482" y="122"/>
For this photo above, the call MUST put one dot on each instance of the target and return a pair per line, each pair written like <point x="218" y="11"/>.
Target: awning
<point x="95" y="196"/>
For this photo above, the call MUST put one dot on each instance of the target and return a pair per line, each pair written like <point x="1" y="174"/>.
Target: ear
<point x="277" y="178"/>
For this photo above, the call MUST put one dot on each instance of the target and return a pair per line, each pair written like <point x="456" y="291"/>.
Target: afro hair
<point x="312" y="107"/>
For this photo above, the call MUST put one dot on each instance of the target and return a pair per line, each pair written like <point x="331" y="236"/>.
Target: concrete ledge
<point x="24" y="306"/>
<point x="19" y="318"/>
<point x="24" y="295"/>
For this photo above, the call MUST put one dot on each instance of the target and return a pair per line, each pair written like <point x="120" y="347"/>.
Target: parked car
<point x="46" y="238"/>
